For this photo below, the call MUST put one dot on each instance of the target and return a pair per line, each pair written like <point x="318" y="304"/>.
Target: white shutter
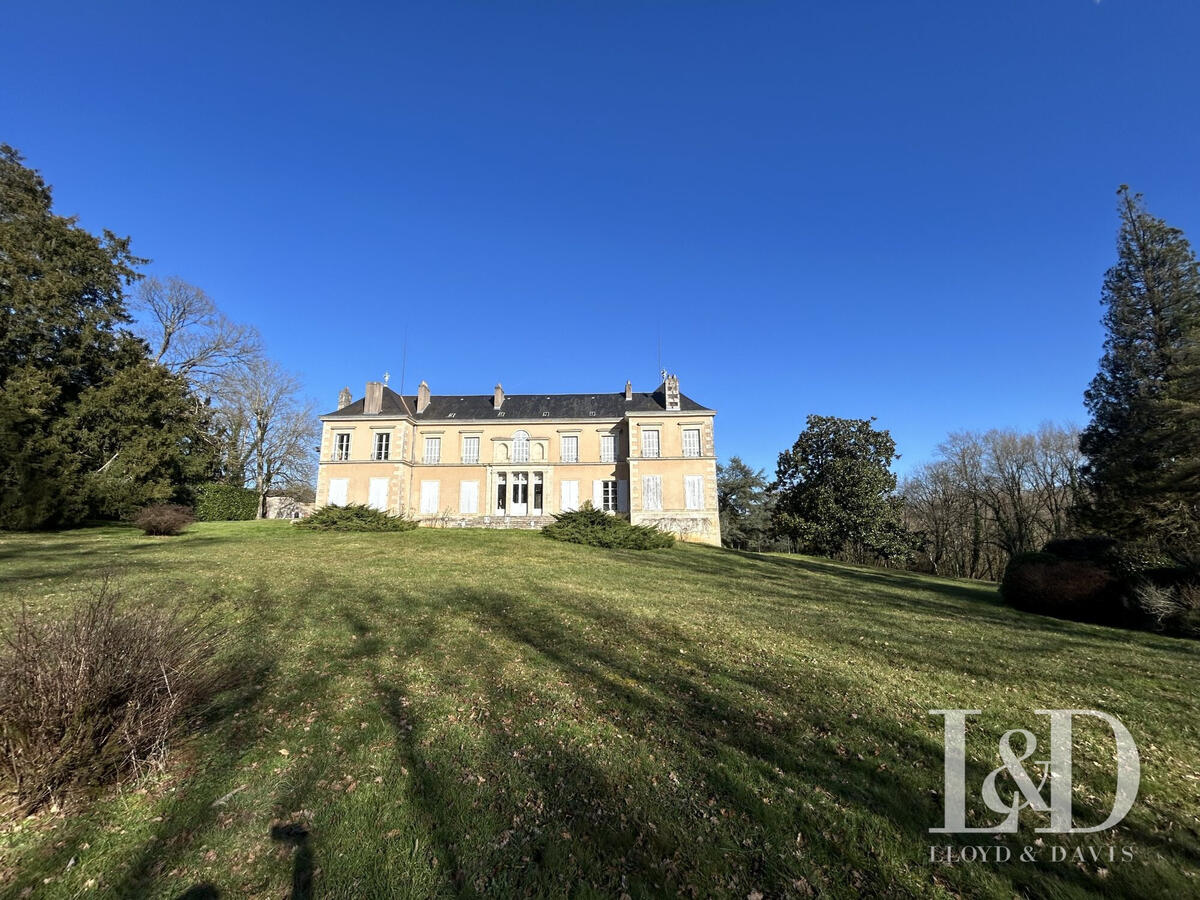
<point x="377" y="494"/>
<point x="650" y="443"/>
<point x="570" y="496"/>
<point x="429" y="497"/>
<point x="623" y="495"/>
<point x="468" y="497"/>
<point x="694" y="491"/>
<point x="652" y="492"/>
<point x="598" y="494"/>
<point x="337" y="491"/>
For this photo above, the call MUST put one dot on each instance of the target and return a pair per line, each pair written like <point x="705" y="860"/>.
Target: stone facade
<point x="496" y="461"/>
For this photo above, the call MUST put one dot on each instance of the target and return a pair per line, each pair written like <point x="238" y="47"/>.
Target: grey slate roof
<point x="521" y="406"/>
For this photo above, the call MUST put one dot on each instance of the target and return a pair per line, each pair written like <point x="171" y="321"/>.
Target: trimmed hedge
<point x="1082" y="590"/>
<point x="224" y="503"/>
<point x="354" y="517"/>
<point x="597" y="528"/>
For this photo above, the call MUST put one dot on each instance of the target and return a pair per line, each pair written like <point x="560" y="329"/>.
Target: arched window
<point x="521" y="446"/>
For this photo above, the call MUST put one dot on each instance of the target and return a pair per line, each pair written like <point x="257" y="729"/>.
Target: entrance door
<point x="520" y="494"/>
<point x="377" y="494"/>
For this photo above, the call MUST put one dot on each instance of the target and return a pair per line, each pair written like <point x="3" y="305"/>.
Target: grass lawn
<point x="475" y="712"/>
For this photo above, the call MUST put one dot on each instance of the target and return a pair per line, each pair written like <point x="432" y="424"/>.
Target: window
<point x="337" y="491"/>
<point x="570" y="448"/>
<point x="608" y="448"/>
<point x="470" y="450"/>
<point x="377" y="494"/>
<point x="383" y="443"/>
<point x="341" y="445"/>
<point x="468" y="497"/>
<point x="652" y="492"/>
<point x="521" y="446"/>
<point x="433" y="450"/>
<point x="501" y="493"/>
<point x="429" y="497"/>
<point x="570" y="496"/>
<point x="694" y="491"/>
<point x="537" y="493"/>
<point x="691" y="442"/>
<point x="608" y="496"/>
<point x="650" y="443"/>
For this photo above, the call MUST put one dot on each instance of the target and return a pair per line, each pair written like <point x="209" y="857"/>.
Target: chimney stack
<point x="628" y="391"/>
<point x="671" y="388"/>
<point x="373" y="405"/>
<point x="498" y="397"/>
<point x="422" y="397"/>
<point x="345" y="398"/>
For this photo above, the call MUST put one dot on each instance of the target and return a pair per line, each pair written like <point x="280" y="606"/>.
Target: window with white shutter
<point x="652" y="492"/>
<point x="650" y="443"/>
<point x="470" y="452"/>
<point x="337" y="491"/>
<point x="341" y="446"/>
<point x="694" y="491"/>
<point x="691" y="442"/>
<point x="429" y="497"/>
<point x="608" y="496"/>
<point x="570" y="448"/>
<point x="377" y="494"/>
<point x="433" y="450"/>
<point x="608" y="448"/>
<point x="468" y="497"/>
<point x="521" y="446"/>
<point x="570" y="496"/>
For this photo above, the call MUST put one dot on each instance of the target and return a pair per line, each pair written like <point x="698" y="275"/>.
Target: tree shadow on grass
<point x="859" y="792"/>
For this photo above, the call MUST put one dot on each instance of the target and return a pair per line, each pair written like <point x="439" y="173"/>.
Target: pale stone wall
<point x="406" y="469"/>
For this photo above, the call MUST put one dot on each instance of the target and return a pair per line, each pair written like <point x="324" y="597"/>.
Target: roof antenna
<point x="662" y="371"/>
<point x="403" y="362"/>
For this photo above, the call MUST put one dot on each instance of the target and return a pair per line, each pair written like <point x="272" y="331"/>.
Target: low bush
<point x="164" y="519"/>
<point x="354" y="517"/>
<point x="597" y="528"/>
<point x="1172" y="608"/>
<point x="87" y="699"/>
<point x="225" y="503"/>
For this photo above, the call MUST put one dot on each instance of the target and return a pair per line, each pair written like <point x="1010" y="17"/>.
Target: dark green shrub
<point x="1078" y="589"/>
<point x="225" y="503"/>
<point x="354" y="517"/>
<point x="597" y="528"/>
<point x="163" y="519"/>
<point x="1086" y="549"/>
<point x="89" y="698"/>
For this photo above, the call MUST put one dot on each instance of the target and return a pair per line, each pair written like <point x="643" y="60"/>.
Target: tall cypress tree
<point x="1143" y="443"/>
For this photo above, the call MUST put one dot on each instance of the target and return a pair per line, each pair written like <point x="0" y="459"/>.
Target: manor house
<point x="510" y="461"/>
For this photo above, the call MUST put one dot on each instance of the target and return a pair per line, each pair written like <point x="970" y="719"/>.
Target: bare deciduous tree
<point x="188" y="334"/>
<point x="270" y="431"/>
<point x="992" y="495"/>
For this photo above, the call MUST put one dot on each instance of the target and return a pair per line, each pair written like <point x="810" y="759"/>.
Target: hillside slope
<point x="474" y="712"/>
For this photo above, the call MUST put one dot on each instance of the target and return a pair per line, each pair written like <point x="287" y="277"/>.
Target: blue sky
<point x="893" y="209"/>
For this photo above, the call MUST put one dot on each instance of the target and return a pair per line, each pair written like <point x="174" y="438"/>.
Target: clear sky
<point x="875" y="208"/>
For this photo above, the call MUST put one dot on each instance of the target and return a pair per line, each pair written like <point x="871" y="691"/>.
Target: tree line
<point x="117" y="390"/>
<point x="1132" y="475"/>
